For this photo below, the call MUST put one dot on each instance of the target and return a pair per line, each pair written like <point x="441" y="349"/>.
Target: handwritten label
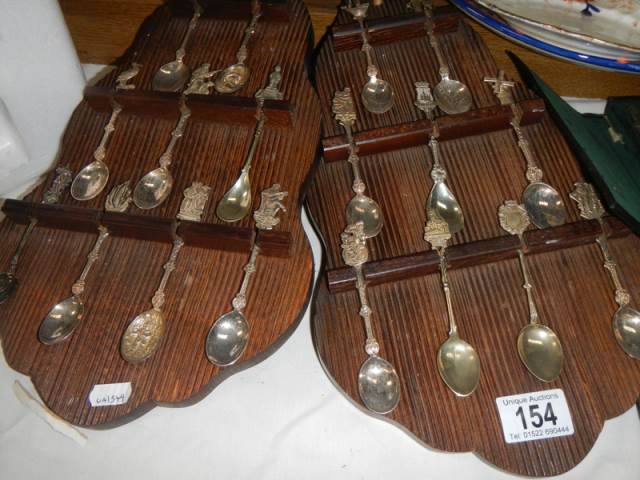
<point x="534" y="416"/>
<point x="109" y="394"/>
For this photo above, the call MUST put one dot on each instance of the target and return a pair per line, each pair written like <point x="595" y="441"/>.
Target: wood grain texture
<point x="127" y="273"/>
<point x="102" y="30"/>
<point x="409" y="314"/>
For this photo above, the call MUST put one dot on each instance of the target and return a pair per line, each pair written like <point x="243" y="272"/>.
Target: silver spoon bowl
<point x="61" y="321"/>
<point x="626" y="328"/>
<point x="452" y="96"/>
<point x="171" y="77"/>
<point x="377" y="95"/>
<point x="90" y="181"/>
<point x="442" y="201"/>
<point x="143" y="336"/>
<point x="232" y="78"/>
<point x="541" y="352"/>
<point x="544" y="205"/>
<point x="8" y="283"/>
<point x="366" y="210"/>
<point x="459" y="366"/>
<point x="153" y="188"/>
<point x="379" y="385"/>
<point x="236" y="203"/>
<point x="227" y="338"/>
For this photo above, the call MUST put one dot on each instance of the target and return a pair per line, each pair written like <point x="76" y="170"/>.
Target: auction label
<point x="534" y="416"/>
<point x="109" y="394"/>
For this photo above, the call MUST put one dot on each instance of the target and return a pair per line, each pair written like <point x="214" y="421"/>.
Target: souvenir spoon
<point x="235" y="76"/>
<point x="452" y="96"/>
<point x="228" y="337"/>
<point x="458" y="362"/>
<point x="543" y="202"/>
<point x="361" y="208"/>
<point x="626" y="320"/>
<point x="378" y="381"/>
<point x="8" y="279"/>
<point x="377" y="94"/>
<point x="92" y="179"/>
<point x="154" y="187"/>
<point x="145" y="332"/>
<point x="538" y="346"/>
<point x="64" y="317"/>
<point x="236" y="203"/>
<point x="172" y="76"/>
<point x="441" y="199"/>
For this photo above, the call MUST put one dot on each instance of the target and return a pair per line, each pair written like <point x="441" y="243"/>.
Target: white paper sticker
<point x="110" y="394"/>
<point x="534" y="416"/>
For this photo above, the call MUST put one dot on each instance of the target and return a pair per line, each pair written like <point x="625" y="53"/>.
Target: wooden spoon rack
<point x="485" y="168"/>
<point x="210" y="266"/>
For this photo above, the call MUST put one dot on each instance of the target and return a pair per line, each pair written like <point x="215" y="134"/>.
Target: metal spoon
<point x="626" y="320"/>
<point x="361" y="208"/>
<point x="538" y="346"/>
<point x="92" y="179"/>
<point x="378" y="381"/>
<point x="145" y="332"/>
<point x="172" y="76"/>
<point x="441" y="199"/>
<point x="452" y="96"/>
<point x="236" y="202"/>
<point x="235" y="76"/>
<point x="64" y="317"/>
<point x="228" y="337"/>
<point x="8" y="279"/>
<point x="377" y="94"/>
<point x="543" y="203"/>
<point x="154" y="188"/>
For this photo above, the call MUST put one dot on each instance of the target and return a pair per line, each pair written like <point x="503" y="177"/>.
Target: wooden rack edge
<point x="151" y="228"/>
<point x="272" y="10"/>
<point x="207" y="108"/>
<point x="412" y="134"/>
<point x="393" y="29"/>
<point x="472" y="254"/>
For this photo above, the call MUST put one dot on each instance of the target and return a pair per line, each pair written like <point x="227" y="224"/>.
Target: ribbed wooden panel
<point x="125" y="277"/>
<point x="575" y="297"/>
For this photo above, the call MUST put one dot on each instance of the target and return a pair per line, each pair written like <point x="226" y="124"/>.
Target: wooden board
<point x="409" y="311"/>
<point x="127" y="273"/>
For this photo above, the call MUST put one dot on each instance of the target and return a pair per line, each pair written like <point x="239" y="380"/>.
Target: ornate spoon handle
<point x="243" y="53"/>
<point x="622" y="295"/>
<point x="182" y="50"/>
<point x="444" y="279"/>
<point x="528" y="286"/>
<point x="167" y="157"/>
<point x="159" y="297"/>
<point x="78" y="287"/>
<point x="240" y="300"/>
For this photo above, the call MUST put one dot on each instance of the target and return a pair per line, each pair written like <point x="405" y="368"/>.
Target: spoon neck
<point x="13" y="266"/>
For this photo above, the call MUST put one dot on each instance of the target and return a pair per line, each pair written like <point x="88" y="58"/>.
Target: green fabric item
<point x="612" y="166"/>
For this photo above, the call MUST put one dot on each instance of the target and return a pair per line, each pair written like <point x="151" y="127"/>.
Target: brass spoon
<point x="172" y="76"/>
<point x="235" y="76"/>
<point x="64" y="318"/>
<point x="228" y="337"/>
<point x="538" y="346"/>
<point x="361" y="208"/>
<point x="145" y="332"/>
<point x="378" y="381"/>
<point x="236" y="202"/>
<point x="8" y="279"/>
<point x="626" y="320"/>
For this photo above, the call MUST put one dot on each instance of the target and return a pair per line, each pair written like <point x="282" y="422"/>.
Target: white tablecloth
<point x="282" y="419"/>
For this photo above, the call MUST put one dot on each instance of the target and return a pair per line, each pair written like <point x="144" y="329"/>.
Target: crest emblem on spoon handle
<point x="8" y="280"/>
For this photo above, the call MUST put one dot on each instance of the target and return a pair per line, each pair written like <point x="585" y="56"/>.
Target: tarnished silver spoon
<point x="64" y="317"/>
<point x="539" y="347"/>
<point x="228" y="337"/>
<point x="8" y="279"/>
<point x="626" y="320"/>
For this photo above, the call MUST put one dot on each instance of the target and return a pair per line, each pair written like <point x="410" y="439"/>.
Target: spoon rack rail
<point x="473" y="254"/>
<point x="204" y="108"/>
<point x="451" y="127"/>
<point x="272" y="10"/>
<point x="381" y="31"/>
<point x="151" y="228"/>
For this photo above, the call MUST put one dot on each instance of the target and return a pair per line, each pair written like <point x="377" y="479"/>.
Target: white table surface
<point x="282" y="419"/>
